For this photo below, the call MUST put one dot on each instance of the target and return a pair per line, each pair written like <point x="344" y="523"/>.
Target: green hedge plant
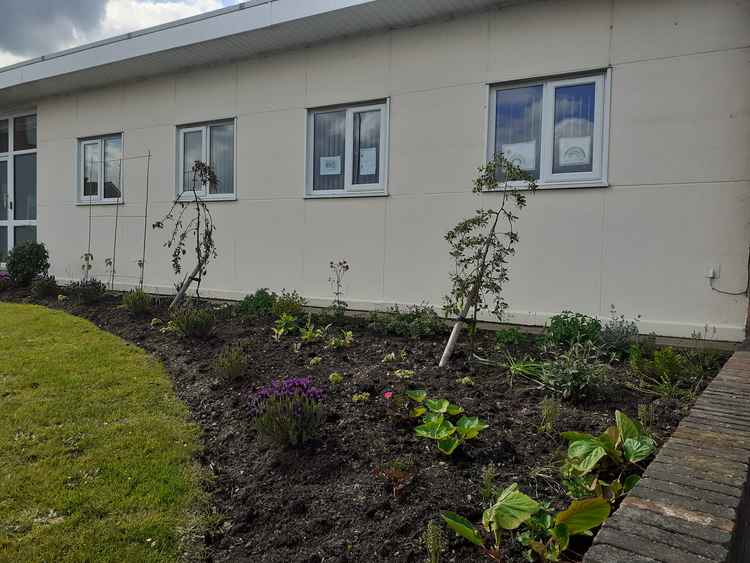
<point x="27" y="261"/>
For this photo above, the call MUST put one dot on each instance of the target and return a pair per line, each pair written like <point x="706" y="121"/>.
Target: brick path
<point x="690" y="505"/>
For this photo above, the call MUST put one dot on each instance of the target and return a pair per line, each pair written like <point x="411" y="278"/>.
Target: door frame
<point x="10" y="223"/>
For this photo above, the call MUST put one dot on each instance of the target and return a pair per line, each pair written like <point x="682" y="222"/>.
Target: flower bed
<point x="385" y="459"/>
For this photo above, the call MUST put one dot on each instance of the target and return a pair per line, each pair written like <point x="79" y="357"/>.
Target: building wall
<point x="678" y="199"/>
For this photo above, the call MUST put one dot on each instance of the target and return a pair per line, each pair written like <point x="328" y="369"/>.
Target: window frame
<point x="99" y="198"/>
<point x="600" y="149"/>
<point x="350" y="189"/>
<point x="205" y="128"/>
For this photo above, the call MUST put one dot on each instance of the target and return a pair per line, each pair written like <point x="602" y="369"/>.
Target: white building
<point x="351" y="129"/>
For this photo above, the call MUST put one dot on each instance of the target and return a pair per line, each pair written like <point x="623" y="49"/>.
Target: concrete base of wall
<point x="692" y="504"/>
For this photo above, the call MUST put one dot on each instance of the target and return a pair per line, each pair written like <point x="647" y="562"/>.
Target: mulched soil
<point x="325" y="502"/>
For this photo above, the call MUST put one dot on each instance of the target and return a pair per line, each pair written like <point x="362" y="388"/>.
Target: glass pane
<point x="112" y="167"/>
<point x="3" y="190"/>
<point x="193" y="146"/>
<point x="518" y="126"/>
<point x="3" y="243"/>
<point x="329" y="132"/>
<point x="3" y="135"/>
<point x="91" y="169"/>
<point x="24" y="187"/>
<point x="222" y="158"/>
<point x="574" y="128"/>
<point x="23" y="234"/>
<point x="366" y="153"/>
<point x="24" y="133"/>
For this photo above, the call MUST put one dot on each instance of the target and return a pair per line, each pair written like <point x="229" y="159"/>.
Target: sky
<point x="29" y="28"/>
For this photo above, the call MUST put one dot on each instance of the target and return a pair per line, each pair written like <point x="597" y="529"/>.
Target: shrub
<point x="617" y="335"/>
<point x="510" y="338"/>
<point x="575" y="374"/>
<point x="259" y="304"/>
<point x="568" y="328"/>
<point x="27" y="261"/>
<point x="288" y="303"/>
<point x="87" y="291"/>
<point x="193" y="322"/>
<point x="137" y="302"/>
<point x="418" y="321"/>
<point x="231" y="362"/>
<point x="5" y="281"/>
<point x="288" y="412"/>
<point x="43" y="287"/>
<point x="666" y="375"/>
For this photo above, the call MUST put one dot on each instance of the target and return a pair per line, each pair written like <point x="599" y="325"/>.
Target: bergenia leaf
<point x="437" y="405"/>
<point x="435" y="430"/>
<point x="584" y="515"/>
<point x="417" y="395"/>
<point x="418" y="411"/>
<point x="638" y="449"/>
<point x="628" y="429"/>
<point x="630" y="482"/>
<point x="433" y="417"/>
<point x="470" y="427"/>
<point x="586" y="454"/>
<point x="448" y="445"/>
<point x="511" y="509"/>
<point x="575" y="436"/>
<point x="453" y="410"/>
<point x="463" y="527"/>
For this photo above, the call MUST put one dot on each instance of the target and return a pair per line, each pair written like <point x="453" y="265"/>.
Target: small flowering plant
<point x="288" y="412"/>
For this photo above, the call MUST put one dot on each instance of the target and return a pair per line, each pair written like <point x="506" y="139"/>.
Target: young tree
<point x="482" y="244"/>
<point x="200" y="227"/>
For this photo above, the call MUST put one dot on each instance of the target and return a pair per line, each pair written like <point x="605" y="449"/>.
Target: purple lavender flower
<point x="294" y="387"/>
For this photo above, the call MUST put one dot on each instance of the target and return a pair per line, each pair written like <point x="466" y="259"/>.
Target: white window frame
<point x="205" y="129"/>
<point x="350" y="189"/>
<point x="99" y="198"/>
<point x="598" y="175"/>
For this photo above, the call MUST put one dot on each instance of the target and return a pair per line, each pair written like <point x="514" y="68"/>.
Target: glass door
<point x="18" y="147"/>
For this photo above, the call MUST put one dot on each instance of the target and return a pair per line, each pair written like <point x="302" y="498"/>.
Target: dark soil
<point x="326" y="503"/>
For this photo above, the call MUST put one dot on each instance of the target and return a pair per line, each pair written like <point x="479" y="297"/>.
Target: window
<point x="212" y="143"/>
<point x="100" y="169"/>
<point x="347" y="150"/>
<point x="553" y="129"/>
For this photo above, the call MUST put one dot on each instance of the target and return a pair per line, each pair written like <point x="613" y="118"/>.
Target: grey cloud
<point x="35" y="27"/>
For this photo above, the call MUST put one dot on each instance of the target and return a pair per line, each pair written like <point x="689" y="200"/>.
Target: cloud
<point x="35" y="27"/>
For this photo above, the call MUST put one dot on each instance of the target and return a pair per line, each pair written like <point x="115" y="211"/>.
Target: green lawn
<point x="96" y="452"/>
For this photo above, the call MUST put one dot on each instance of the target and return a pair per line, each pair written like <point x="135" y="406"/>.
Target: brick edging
<point x="692" y="504"/>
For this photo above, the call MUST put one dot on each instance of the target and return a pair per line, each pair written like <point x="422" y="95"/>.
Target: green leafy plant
<point x="284" y="325"/>
<point x="288" y="303"/>
<point x="617" y="334"/>
<point x="27" y="261"/>
<point x="436" y="424"/>
<point x="510" y="338"/>
<point x="433" y="540"/>
<point x="344" y="340"/>
<point x="193" y="322"/>
<point x="488" y="490"/>
<point x="232" y="361"/>
<point x="511" y="509"/>
<point x="259" y="304"/>
<point x="466" y="380"/>
<point x="86" y="291"/>
<point x="314" y="361"/>
<point x="548" y="534"/>
<point x="44" y="286"/>
<point x="137" y="302"/>
<point x="389" y="358"/>
<point x="569" y="328"/>
<point x="666" y="374"/>
<point x="575" y="374"/>
<point x="360" y="397"/>
<point x="419" y="321"/>
<point x="310" y="333"/>
<point x="336" y="377"/>
<point x="606" y="465"/>
<point x="404" y="373"/>
<point x="549" y="410"/>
